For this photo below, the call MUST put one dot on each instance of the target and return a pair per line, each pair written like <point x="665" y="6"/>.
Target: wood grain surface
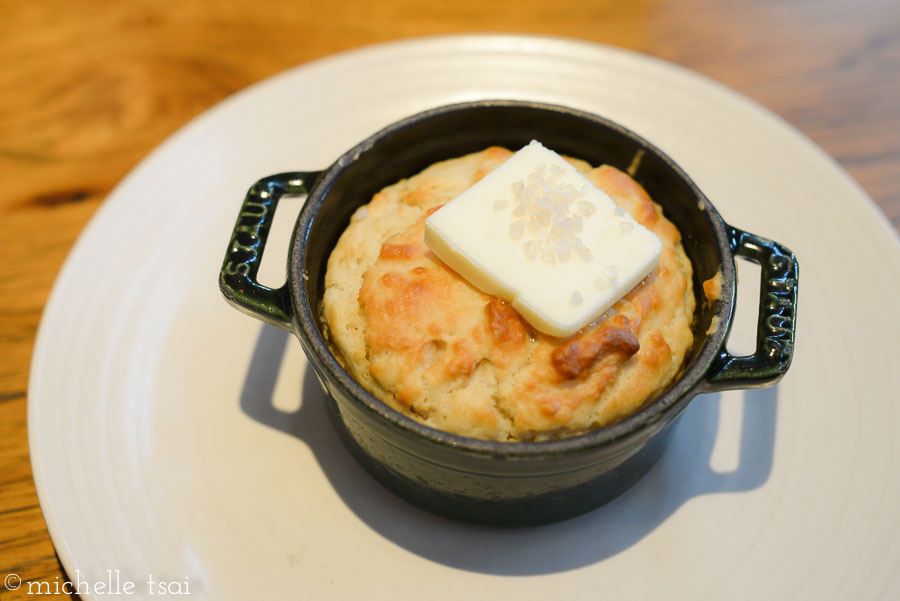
<point x="89" y="87"/>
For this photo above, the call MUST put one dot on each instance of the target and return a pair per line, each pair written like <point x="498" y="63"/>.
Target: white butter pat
<point x="538" y="234"/>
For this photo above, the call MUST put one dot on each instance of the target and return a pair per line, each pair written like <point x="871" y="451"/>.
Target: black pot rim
<point x="645" y="422"/>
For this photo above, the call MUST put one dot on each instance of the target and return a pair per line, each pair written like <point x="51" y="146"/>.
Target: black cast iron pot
<point x="495" y="482"/>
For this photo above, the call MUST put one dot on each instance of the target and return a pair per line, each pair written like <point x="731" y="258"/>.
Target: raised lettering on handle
<point x="237" y="280"/>
<point x="776" y="322"/>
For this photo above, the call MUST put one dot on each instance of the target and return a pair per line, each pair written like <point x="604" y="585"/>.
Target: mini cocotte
<point x="450" y="346"/>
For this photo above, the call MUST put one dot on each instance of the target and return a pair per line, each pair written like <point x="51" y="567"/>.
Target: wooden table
<point x="88" y="88"/>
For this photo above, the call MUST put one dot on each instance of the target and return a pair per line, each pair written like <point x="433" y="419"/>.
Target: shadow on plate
<point x="681" y="474"/>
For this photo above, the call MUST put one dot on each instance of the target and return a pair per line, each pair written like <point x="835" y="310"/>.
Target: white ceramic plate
<point x="175" y="439"/>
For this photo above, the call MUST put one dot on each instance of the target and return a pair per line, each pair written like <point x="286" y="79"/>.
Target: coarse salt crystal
<point x="564" y="248"/>
<point x="584" y="252"/>
<point x="586" y="208"/>
<point x="518" y="188"/>
<point x="516" y="229"/>
<point x="519" y="210"/>
<point x="576" y="299"/>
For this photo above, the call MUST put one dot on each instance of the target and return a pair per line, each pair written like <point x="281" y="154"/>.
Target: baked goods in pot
<point x="427" y="343"/>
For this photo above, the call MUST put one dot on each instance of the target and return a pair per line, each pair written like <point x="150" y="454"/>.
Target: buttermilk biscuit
<point x="430" y="345"/>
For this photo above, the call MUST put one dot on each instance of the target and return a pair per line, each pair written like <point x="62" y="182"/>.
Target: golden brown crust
<point x="505" y="324"/>
<point x="614" y="335"/>
<point x="712" y="288"/>
<point x="426" y="342"/>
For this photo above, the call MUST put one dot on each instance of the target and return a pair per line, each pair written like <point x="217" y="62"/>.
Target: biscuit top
<point x="431" y="345"/>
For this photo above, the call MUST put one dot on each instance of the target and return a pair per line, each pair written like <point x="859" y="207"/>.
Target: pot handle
<point x="776" y="323"/>
<point x="237" y="280"/>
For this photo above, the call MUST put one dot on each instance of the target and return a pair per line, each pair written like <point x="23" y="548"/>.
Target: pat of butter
<point x="538" y="234"/>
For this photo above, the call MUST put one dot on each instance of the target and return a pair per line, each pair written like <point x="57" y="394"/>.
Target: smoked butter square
<point x="540" y="235"/>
